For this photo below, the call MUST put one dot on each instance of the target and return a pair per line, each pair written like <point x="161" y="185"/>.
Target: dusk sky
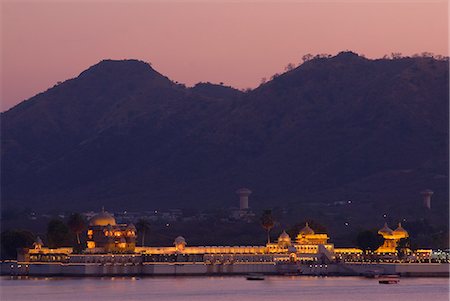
<point x="235" y="42"/>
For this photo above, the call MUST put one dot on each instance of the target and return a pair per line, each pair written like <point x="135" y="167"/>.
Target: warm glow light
<point x="218" y="39"/>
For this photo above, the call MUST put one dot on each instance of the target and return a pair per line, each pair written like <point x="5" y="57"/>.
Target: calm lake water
<point x="223" y="288"/>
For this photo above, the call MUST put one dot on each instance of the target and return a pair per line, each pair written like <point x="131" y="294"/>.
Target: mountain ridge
<point x="123" y="134"/>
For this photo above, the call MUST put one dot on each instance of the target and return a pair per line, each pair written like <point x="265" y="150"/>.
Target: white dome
<point x="284" y="239"/>
<point x="102" y="219"/>
<point x="400" y="231"/>
<point x="306" y="230"/>
<point x="284" y="236"/>
<point x="385" y="230"/>
<point x="179" y="240"/>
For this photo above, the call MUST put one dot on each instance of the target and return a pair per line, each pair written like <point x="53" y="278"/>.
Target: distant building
<point x="111" y="250"/>
<point x="105" y="236"/>
<point x="391" y="238"/>
<point x="426" y="194"/>
<point x="244" y="212"/>
<point x="243" y="198"/>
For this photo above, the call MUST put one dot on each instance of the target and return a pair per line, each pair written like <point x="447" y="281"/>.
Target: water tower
<point x="243" y="198"/>
<point x="427" y="198"/>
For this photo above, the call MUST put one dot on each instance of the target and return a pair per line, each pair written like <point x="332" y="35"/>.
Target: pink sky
<point x="235" y="42"/>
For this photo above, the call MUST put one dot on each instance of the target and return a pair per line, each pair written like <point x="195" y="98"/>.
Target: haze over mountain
<point x="124" y="136"/>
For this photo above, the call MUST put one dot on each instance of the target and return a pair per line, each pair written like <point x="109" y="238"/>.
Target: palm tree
<point x="369" y="240"/>
<point x="143" y="226"/>
<point x="403" y="247"/>
<point x="58" y="234"/>
<point x="267" y="222"/>
<point x="76" y="224"/>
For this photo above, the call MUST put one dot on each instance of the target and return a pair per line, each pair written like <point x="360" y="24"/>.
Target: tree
<point x="274" y="76"/>
<point x="427" y="54"/>
<point x="369" y="240"/>
<point x="441" y="57"/>
<point x="267" y="222"/>
<point x="396" y="55"/>
<point x="11" y="240"/>
<point x="143" y="227"/>
<point x="58" y="234"/>
<point x="403" y="247"/>
<point x="289" y="67"/>
<point x="307" y="57"/>
<point x="77" y="225"/>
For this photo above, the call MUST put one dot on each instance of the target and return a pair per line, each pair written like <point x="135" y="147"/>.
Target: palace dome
<point x="179" y="243"/>
<point x="284" y="236"/>
<point x="385" y="230"/>
<point x="306" y="230"/>
<point x="179" y="240"/>
<point x="284" y="239"/>
<point x="38" y="243"/>
<point x="400" y="231"/>
<point x="102" y="219"/>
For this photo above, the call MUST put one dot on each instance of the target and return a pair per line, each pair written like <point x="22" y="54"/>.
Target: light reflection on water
<point x="222" y="288"/>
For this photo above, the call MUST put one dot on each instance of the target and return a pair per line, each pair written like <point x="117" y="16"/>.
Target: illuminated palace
<point x="111" y="250"/>
<point x="104" y="235"/>
<point x="307" y="247"/>
<point x="391" y="238"/>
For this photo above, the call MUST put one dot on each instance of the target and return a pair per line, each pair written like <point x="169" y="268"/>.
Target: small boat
<point x="255" y="277"/>
<point x="389" y="279"/>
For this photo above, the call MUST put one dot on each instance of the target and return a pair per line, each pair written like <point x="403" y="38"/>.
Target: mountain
<point x="124" y="136"/>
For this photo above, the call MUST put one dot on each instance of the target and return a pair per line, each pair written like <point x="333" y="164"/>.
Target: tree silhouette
<point x="58" y="234"/>
<point x="369" y="240"/>
<point x="11" y="240"/>
<point x="307" y="57"/>
<point x="403" y="247"/>
<point x="143" y="227"/>
<point x="274" y="76"/>
<point x="396" y="55"/>
<point x="267" y="222"/>
<point x="427" y="54"/>
<point x="76" y="224"/>
<point x="289" y="67"/>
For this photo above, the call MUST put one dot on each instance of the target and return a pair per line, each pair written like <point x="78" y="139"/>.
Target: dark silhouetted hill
<point x="124" y="136"/>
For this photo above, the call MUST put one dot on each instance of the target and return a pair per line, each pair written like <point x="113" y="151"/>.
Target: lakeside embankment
<point x="15" y="268"/>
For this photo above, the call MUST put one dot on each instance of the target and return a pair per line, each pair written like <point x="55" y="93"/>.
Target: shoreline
<point x="180" y="269"/>
<point x="138" y="277"/>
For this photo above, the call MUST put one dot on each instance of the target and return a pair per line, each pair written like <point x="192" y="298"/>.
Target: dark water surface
<point x="223" y="288"/>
